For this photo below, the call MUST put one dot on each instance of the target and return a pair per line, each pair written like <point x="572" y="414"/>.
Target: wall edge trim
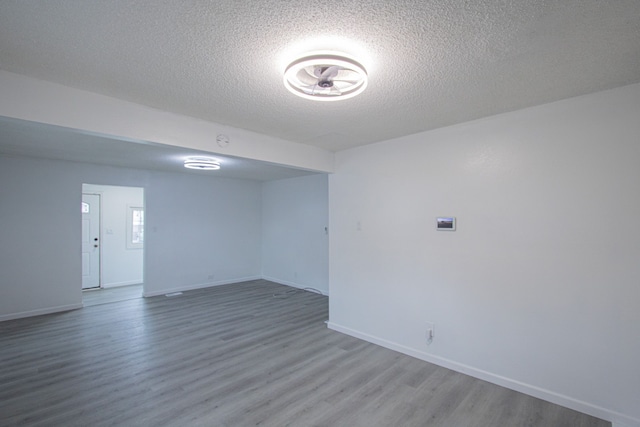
<point x="185" y="288"/>
<point x="40" y="312"/>
<point x="292" y="284"/>
<point x="120" y="284"/>
<point x="618" y="419"/>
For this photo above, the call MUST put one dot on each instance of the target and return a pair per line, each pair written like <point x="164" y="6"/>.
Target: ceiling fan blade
<point x="330" y="72"/>
<point x="346" y="81"/>
<point x="334" y="90"/>
<point x="345" y="74"/>
<point x="310" y="89"/>
<point x="304" y="77"/>
<point x="342" y="85"/>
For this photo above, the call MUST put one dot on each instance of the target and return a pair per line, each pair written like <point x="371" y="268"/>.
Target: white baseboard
<point x="618" y="419"/>
<point x="40" y="312"/>
<point x="197" y="286"/>
<point x="293" y="284"/>
<point x="118" y="284"/>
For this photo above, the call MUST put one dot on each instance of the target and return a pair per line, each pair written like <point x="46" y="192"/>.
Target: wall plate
<point x="446" y="223"/>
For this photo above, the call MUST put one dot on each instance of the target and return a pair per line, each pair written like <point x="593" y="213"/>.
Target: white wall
<point x="120" y="265"/>
<point x="539" y="288"/>
<point x="201" y="231"/>
<point x="294" y="240"/>
<point x="197" y="228"/>
<point x="40" y="268"/>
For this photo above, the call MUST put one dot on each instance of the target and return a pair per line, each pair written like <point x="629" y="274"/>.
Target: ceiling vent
<point x="325" y="77"/>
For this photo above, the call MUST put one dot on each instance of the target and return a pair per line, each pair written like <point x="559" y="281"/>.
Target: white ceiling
<point x="430" y="63"/>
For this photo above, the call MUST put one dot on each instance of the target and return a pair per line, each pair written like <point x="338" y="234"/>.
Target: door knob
<point x="95" y="246"/>
<point x="96" y="239"/>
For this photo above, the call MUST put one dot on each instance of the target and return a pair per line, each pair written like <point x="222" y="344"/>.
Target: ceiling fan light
<point x="325" y="77"/>
<point x="202" y="163"/>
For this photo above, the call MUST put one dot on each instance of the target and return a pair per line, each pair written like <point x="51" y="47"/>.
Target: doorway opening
<point x="112" y="243"/>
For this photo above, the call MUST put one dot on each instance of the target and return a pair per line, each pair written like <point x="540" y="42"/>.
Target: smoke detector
<point x="222" y="140"/>
<point x="325" y="77"/>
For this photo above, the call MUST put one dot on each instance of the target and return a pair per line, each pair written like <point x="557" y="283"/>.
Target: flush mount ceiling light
<point x="202" y="163"/>
<point x="325" y="77"/>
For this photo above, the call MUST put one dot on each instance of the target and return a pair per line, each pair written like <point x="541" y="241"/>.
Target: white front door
<point x="90" y="241"/>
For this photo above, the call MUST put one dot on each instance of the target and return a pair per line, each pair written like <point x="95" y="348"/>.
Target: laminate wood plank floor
<point x="232" y="356"/>
<point x="108" y="295"/>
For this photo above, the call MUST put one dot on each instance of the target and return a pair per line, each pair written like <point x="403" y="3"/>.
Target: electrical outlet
<point x="430" y="332"/>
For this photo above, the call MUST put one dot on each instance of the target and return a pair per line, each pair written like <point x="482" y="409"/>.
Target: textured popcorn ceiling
<point x="431" y="63"/>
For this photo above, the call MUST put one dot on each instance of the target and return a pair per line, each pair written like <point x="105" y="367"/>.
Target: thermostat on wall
<point x="446" y="223"/>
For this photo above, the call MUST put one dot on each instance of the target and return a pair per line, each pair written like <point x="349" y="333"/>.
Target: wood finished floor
<point x="234" y="356"/>
<point x="108" y="295"/>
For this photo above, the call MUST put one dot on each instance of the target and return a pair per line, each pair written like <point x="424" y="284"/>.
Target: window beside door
<point x="135" y="227"/>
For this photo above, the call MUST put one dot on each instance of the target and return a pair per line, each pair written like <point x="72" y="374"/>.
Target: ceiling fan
<point x="325" y="77"/>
